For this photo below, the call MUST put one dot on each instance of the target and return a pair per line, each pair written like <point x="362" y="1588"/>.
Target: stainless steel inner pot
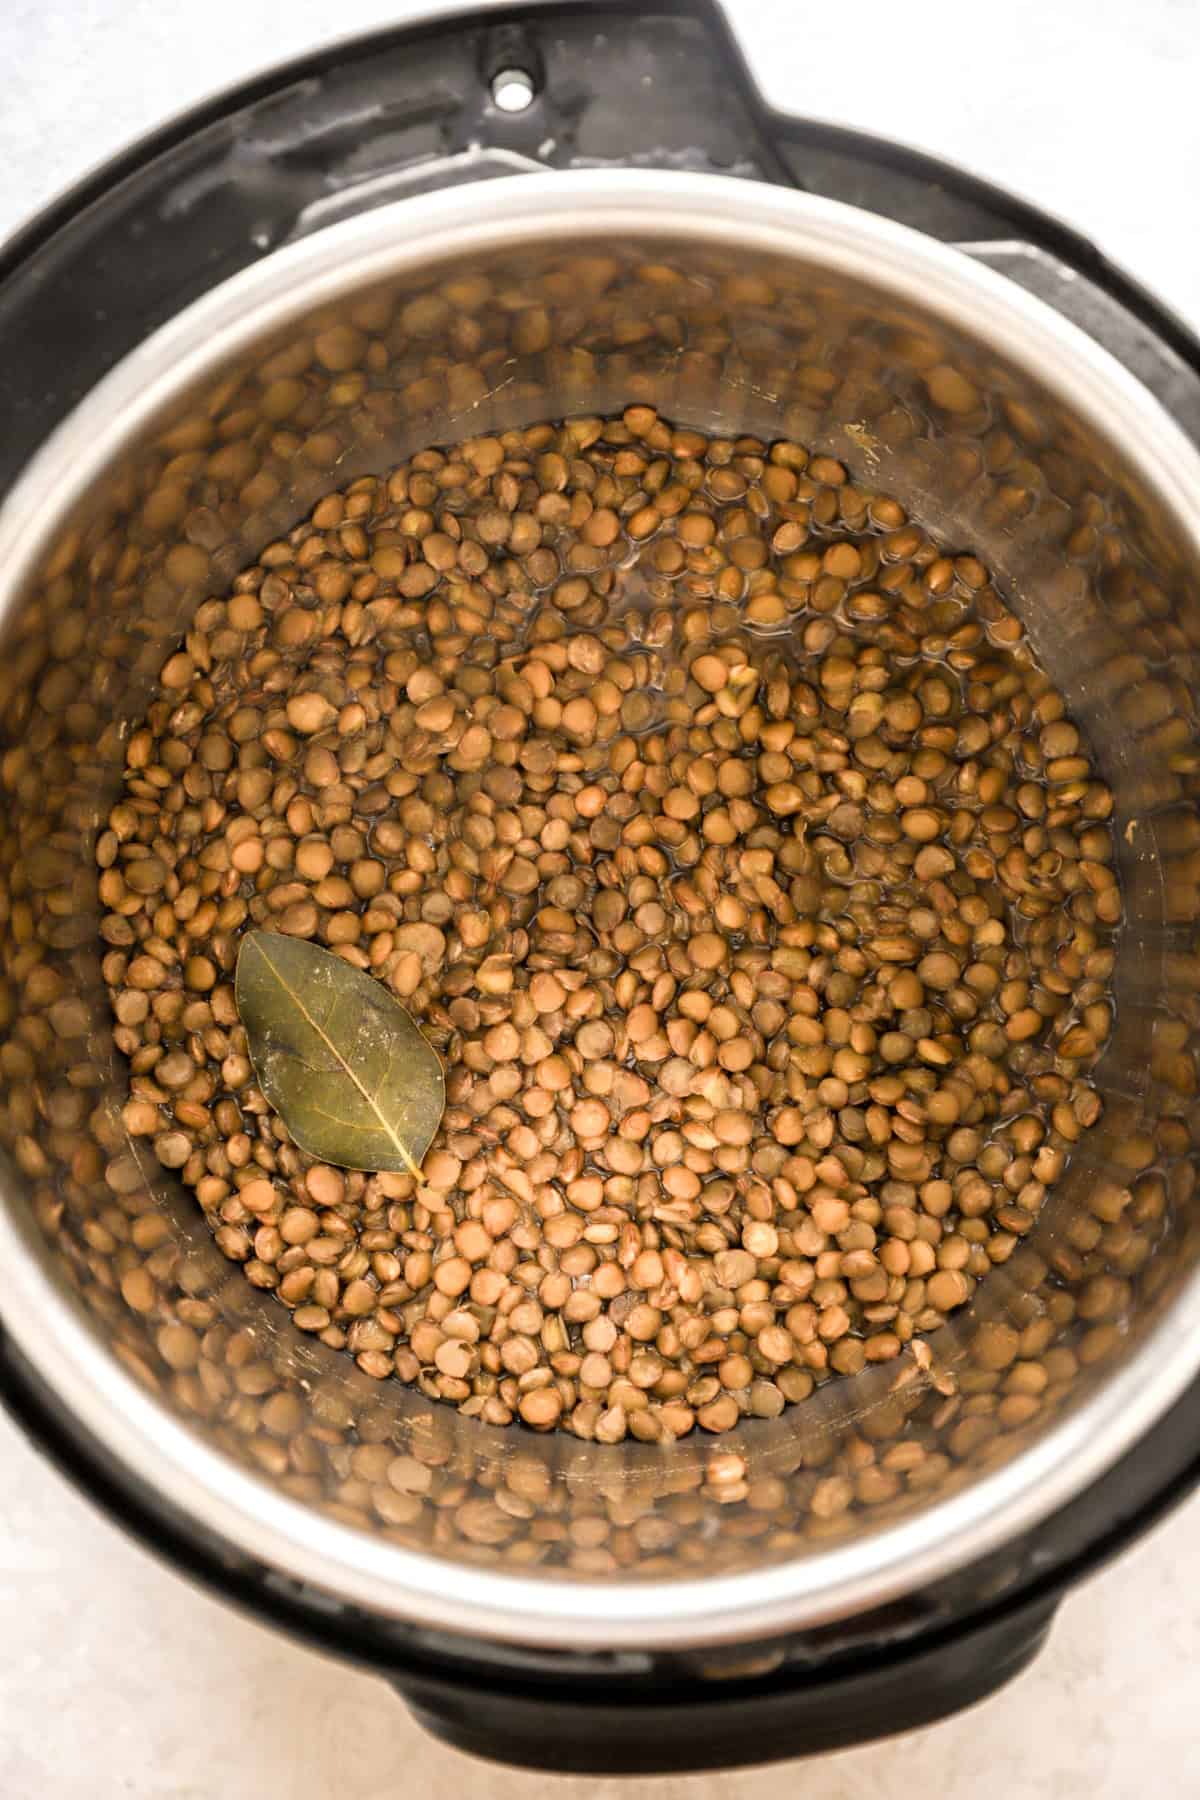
<point x="737" y="309"/>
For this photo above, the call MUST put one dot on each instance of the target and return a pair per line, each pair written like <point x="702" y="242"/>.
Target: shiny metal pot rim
<point x="107" y="1403"/>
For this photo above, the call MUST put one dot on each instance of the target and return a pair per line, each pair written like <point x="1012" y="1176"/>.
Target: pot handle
<point x="588" y="84"/>
<point x="675" y="1720"/>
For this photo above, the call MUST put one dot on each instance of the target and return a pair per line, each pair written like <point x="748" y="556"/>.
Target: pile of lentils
<point x="725" y="838"/>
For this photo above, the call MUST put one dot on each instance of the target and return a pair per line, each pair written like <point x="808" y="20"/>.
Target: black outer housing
<point x="205" y="197"/>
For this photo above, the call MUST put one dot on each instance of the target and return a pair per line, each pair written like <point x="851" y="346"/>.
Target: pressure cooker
<point x="604" y="164"/>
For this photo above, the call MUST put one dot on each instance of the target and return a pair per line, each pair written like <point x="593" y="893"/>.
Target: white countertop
<point x="117" y="1678"/>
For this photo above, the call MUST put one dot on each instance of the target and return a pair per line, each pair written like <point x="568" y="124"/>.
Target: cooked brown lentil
<point x="732" y="848"/>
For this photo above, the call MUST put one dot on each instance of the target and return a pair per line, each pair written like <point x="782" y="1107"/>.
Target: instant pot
<point x="459" y="228"/>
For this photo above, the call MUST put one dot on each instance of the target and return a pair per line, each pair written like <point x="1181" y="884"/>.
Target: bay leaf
<point x="344" y="1065"/>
